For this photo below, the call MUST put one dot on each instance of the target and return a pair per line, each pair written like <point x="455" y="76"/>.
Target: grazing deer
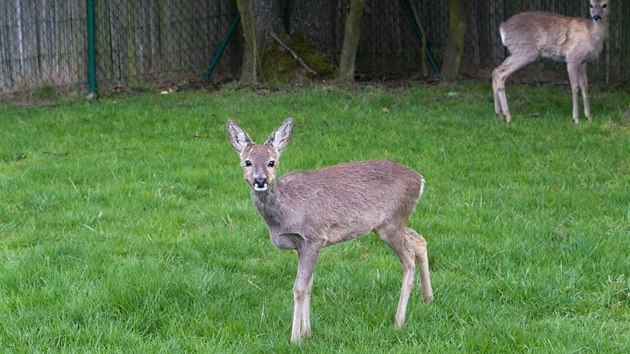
<point x="530" y="35"/>
<point x="307" y="211"/>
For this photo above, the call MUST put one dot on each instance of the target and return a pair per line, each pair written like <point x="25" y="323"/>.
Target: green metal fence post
<point x="91" y="67"/>
<point x="217" y="55"/>
<point x="406" y="6"/>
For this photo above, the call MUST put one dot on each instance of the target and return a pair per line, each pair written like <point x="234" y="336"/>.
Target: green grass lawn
<point x="125" y="225"/>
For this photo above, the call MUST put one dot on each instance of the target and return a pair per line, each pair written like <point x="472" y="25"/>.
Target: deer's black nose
<point x="260" y="182"/>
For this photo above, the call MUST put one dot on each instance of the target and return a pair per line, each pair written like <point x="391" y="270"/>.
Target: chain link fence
<point x="41" y="43"/>
<point x="148" y="43"/>
<point x="137" y="43"/>
<point x="160" y="42"/>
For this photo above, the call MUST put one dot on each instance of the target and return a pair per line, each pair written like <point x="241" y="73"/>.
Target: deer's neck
<point x="277" y="217"/>
<point x="269" y="206"/>
<point x="600" y="29"/>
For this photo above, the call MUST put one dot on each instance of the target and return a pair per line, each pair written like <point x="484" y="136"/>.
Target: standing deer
<point x="307" y="211"/>
<point x="530" y="35"/>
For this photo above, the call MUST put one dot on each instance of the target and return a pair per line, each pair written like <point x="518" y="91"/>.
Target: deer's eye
<point x="271" y="164"/>
<point x="248" y="163"/>
<point x="604" y="6"/>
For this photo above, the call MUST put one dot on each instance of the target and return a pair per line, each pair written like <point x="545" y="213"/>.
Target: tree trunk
<point x="255" y="21"/>
<point x="454" y="48"/>
<point x="351" y="41"/>
<point x="316" y="19"/>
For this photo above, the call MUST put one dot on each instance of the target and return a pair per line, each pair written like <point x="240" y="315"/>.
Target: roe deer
<point x="307" y="211"/>
<point x="575" y="40"/>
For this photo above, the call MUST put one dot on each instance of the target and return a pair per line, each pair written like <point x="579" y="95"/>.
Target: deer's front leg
<point x="306" y="313"/>
<point x="583" y="82"/>
<point x="307" y="258"/>
<point x="572" y="68"/>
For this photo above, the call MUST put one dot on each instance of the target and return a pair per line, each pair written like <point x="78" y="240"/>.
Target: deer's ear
<point x="280" y="137"/>
<point x="238" y="137"/>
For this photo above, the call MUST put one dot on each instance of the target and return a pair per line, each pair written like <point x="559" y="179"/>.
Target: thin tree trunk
<point x="255" y="19"/>
<point x="351" y="41"/>
<point x="454" y="49"/>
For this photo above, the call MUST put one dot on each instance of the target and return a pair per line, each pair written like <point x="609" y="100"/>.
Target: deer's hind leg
<point x="394" y="237"/>
<point x="511" y="64"/>
<point x="419" y="246"/>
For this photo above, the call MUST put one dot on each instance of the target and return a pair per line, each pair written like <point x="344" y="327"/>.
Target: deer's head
<point x="598" y="9"/>
<point x="259" y="162"/>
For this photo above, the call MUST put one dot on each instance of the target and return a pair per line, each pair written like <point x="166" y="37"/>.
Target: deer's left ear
<point x="280" y="137"/>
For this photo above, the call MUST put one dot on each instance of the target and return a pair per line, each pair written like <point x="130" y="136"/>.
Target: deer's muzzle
<point x="260" y="184"/>
<point x="597" y="12"/>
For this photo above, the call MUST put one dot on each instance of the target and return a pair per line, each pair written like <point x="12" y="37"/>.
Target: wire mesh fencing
<point x="160" y="42"/>
<point x="138" y="43"/>
<point x="41" y="43"/>
<point x="147" y="43"/>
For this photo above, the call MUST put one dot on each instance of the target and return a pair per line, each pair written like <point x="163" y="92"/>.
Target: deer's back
<point x="549" y="34"/>
<point x="376" y="181"/>
<point x="348" y="199"/>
